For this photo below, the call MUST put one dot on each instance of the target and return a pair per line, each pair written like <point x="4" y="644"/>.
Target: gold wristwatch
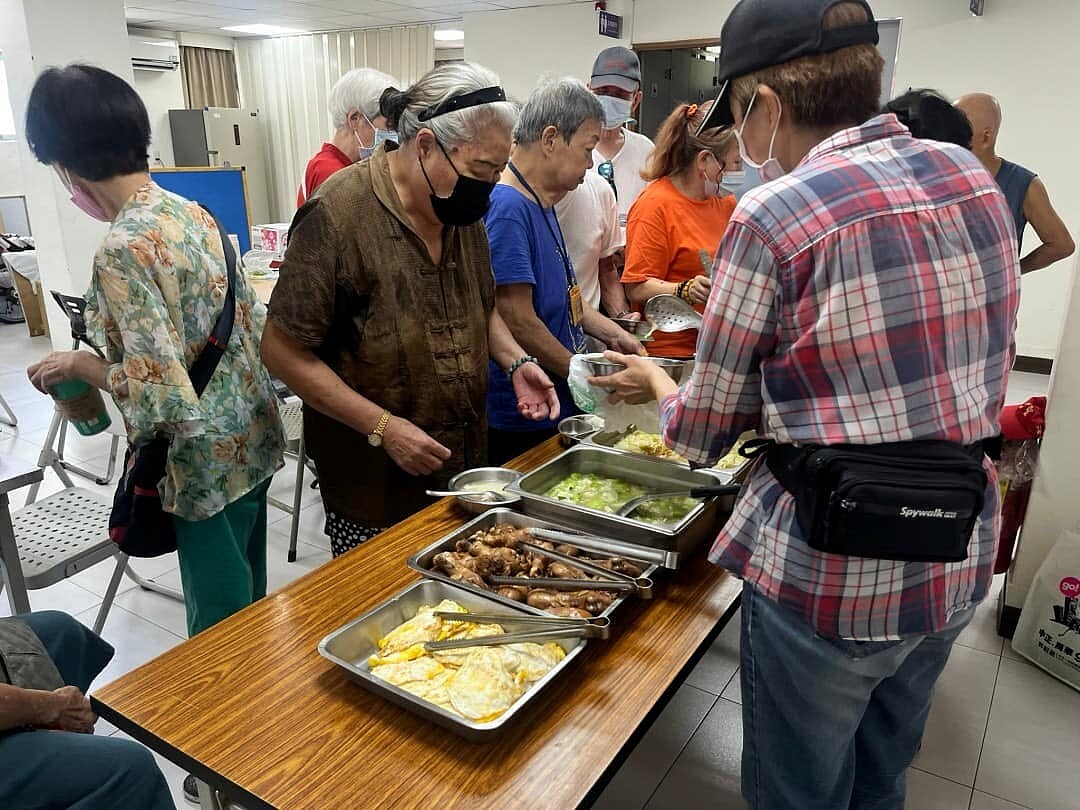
<point x="375" y="437"/>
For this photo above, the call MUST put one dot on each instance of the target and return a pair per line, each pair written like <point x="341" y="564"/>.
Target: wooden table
<point x="250" y="707"/>
<point x="263" y="287"/>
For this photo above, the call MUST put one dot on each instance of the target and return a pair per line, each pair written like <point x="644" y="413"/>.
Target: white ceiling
<point x="210" y="16"/>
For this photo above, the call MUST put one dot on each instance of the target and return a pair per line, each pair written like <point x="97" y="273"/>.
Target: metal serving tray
<point x="655" y="475"/>
<point x="607" y="439"/>
<point x="350" y="646"/>
<point x="422" y="560"/>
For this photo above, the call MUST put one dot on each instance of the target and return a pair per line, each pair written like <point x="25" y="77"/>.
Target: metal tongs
<point x="615" y="581"/>
<point x="544" y="628"/>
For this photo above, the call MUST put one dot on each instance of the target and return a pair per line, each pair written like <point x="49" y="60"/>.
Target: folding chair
<point x="75" y="309"/>
<point x="67" y="532"/>
<point x="8" y="416"/>
<point x="292" y="419"/>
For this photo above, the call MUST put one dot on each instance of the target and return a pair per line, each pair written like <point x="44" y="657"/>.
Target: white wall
<point x="522" y="45"/>
<point x="32" y="40"/>
<point x="1024" y="53"/>
<point x="10" y="169"/>
<point x="160" y="91"/>
<point x="193" y="40"/>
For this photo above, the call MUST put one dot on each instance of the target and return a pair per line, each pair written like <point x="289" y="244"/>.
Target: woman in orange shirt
<point x="675" y="226"/>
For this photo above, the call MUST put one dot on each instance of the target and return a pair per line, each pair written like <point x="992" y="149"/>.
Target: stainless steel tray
<point x="607" y="439"/>
<point x="422" y="560"/>
<point x="350" y="646"/>
<point x="655" y="475"/>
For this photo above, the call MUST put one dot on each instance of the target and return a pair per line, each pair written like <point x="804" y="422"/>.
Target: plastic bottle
<point x="82" y="405"/>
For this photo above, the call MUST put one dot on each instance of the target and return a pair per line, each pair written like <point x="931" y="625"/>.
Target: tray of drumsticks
<point x="540" y="566"/>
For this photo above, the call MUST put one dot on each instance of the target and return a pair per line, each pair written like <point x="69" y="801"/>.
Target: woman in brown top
<point x="383" y="316"/>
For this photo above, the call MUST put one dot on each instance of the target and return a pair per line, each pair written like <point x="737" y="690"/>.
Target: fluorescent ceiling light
<point x="261" y="29"/>
<point x="160" y="43"/>
<point x="712" y="49"/>
<point x="449" y="35"/>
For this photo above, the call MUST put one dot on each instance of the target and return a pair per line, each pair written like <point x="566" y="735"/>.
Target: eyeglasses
<point x="607" y="171"/>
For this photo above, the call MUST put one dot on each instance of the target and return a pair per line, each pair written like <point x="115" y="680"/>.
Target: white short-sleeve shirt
<point x="629" y="162"/>
<point x="589" y="219"/>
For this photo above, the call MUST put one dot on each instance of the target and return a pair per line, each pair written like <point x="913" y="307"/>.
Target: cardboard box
<point x="33" y="304"/>
<point x="272" y="238"/>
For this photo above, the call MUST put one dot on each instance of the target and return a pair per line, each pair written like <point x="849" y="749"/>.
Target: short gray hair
<point x="565" y="104"/>
<point x="402" y="109"/>
<point x="359" y="89"/>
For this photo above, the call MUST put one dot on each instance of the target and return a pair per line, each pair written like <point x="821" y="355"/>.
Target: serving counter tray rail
<point x="250" y="707"/>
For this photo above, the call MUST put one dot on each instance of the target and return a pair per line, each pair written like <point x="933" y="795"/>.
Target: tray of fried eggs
<point x="473" y="691"/>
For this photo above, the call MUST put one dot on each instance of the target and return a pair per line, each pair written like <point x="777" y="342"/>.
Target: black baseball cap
<point x="762" y="33"/>
<point x="617" y="67"/>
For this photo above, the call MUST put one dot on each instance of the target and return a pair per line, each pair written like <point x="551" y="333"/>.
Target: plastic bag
<point x="1049" y="629"/>
<point x="592" y="399"/>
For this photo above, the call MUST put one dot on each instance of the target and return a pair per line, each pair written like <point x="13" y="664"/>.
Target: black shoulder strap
<point x="203" y="368"/>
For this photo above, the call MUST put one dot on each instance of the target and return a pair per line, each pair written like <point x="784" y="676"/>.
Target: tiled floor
<point x="1002" y="734"/>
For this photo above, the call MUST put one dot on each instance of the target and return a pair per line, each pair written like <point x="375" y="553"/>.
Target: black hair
<point x="89" y="121"/>
<point x="928" y="114"/>
<point x="392" y="104"/>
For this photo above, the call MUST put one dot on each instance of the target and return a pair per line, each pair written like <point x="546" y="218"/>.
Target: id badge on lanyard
<point x="577" y="310"/>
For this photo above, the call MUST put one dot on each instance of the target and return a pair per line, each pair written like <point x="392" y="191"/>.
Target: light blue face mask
<point x="381" y="136"/>
<point x="733" y="184"/>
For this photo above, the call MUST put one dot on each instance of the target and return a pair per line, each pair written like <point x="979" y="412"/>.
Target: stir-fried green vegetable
<point x="608" y="494"/>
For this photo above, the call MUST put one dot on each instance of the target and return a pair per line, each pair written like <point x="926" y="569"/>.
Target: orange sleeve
<point x="648" y="248"/>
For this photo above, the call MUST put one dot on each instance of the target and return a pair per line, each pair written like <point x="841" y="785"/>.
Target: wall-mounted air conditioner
<point x="151" y="53"/>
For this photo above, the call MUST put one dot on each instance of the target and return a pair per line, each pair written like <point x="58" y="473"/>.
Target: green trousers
<point x="223" y="560"/>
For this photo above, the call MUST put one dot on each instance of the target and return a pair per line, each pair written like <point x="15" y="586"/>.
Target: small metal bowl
<point x="673" y="368"/>
<point x="600" y="366"/>
<point x="641" y="329"/>
<point x="474" y="504"/>
<point x="573" y="429"/>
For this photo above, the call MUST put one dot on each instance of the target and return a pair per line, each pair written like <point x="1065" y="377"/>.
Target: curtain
<point x="288" y="80"/>
<point x="209" y="78"/>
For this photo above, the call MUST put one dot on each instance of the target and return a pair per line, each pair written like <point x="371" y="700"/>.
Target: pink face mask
<point x="83" y="201"/>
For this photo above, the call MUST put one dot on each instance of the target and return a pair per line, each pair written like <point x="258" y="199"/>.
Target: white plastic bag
<point x="592" y="399"/>
<point x="1049" y="629"/>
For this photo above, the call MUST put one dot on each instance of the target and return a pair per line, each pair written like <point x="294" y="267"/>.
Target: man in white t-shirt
<point x="621" y="154"/>
<point x="589" y="218"/>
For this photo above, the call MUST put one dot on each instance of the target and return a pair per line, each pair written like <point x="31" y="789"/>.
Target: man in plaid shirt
<point x="867" y="295"/>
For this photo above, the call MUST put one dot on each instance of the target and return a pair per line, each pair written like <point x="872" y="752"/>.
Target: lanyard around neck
<point x="556" y="232"/>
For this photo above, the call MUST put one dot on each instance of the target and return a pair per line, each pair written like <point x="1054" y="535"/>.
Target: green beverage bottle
<point x="82" y="405"/>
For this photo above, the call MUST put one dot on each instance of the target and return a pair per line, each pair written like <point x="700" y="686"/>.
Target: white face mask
<point x="616" y="111"/>
<point x="713" y="188"/>
<point x="771" y="168"/>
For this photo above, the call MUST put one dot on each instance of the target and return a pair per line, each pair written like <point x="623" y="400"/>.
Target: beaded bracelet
<point x="519" y="363"/>
<point x="683" y="290"/>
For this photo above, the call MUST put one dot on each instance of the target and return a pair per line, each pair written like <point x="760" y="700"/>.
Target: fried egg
<point x="477" y="683"/>
<point x="485" y="686"/>
<point x="424" y="626"/>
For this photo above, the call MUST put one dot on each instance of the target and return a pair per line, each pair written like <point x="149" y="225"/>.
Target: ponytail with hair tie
<point x="392" y="104"/>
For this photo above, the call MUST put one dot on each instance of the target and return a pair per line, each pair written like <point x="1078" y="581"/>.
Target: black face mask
<point x="467" y="203"/>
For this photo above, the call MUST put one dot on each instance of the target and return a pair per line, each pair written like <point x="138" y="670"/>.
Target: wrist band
<point x="519" y="363"/>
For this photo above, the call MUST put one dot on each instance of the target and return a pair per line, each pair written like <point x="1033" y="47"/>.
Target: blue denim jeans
<point x="43" y="770"/>
<point x="831" y="724"/>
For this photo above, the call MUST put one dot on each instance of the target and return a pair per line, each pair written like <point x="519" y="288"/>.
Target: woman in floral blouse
<point x="158" y="286"/>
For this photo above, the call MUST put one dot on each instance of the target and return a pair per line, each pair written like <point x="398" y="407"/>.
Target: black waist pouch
<point x="908" y="501"/>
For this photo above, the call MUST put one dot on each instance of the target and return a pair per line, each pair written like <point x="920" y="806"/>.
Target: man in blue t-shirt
<point x="536" y="287"/>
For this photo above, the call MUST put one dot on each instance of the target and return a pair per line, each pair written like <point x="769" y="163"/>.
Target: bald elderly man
<point x="1025" y="192"/>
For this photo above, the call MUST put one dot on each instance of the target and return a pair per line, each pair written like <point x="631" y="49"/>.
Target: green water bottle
<point x="82" y="405"/>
